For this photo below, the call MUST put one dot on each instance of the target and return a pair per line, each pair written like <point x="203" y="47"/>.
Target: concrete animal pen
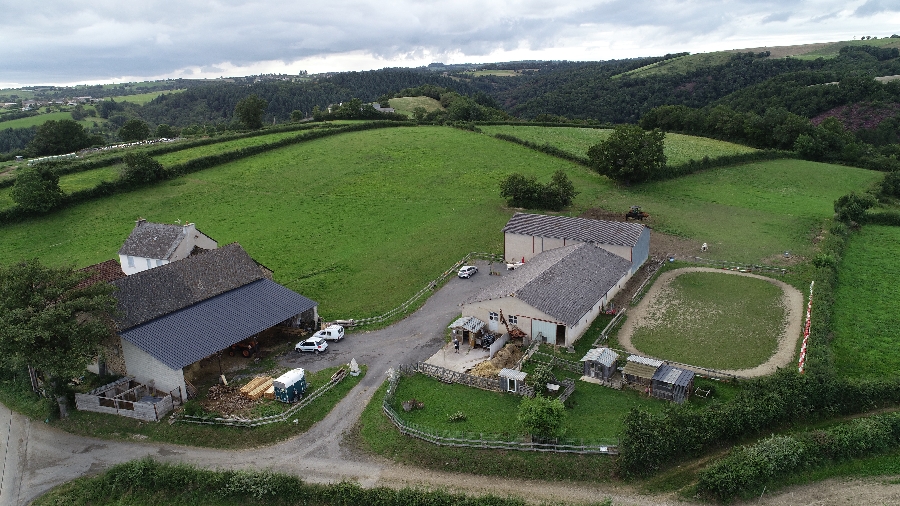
<point x="127" y="397"/>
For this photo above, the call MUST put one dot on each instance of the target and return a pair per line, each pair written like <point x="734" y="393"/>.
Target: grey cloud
<point x="872" y="7"/>
<point x="776" y="17"/>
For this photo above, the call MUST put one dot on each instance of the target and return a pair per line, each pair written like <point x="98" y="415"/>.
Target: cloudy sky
<point x="75" y="42"/>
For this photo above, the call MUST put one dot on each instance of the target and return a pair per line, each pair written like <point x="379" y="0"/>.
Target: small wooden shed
<point x="512" y="380"/>
<point x="672" y="384"/>
<point x="640" y="370"/>
<point x="468" y="329"/>
<point x="600" y="363"/>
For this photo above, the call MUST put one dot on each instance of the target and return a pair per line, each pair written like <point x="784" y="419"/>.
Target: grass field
<point x="831" y="51"/>
<point x="866" y="319"/>
<point x="143" y="98"/>
<point x="499" y="73"/>
<point x="680" y="65"/>
<point x="714" y="320"/>
<point x="358" y="222"/>
<point x="40" y="119"/>
<point x="406" y="105"/>
<point x="181" y="156"/>
<point x="392" y="208"/>
<point x="679" y="149"/>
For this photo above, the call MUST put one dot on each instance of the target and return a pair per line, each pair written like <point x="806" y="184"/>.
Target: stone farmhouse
<point x="154" y="244"/>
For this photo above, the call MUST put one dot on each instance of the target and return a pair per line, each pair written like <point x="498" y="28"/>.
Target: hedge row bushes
<point x="106" y="188"/>
<point x="746" y="470"/>
<point x="138" y="480"/>
<point x="650" y="441"/>
<point x="63" y="168"/>
<point x="668" y="171"/>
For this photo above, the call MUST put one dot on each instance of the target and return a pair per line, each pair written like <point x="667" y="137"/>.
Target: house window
<point x="492" y="316"/>
<point x="130" y="261"/>
<point x="513" y="319"/>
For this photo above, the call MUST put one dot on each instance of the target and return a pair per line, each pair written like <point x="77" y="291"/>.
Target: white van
<point x="331" y="333"/>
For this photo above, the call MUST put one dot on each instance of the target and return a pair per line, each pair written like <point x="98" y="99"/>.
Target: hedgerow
<point x="746" y="470"/>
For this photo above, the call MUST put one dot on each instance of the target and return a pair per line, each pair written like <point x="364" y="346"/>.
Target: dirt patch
<point x="661" y="245"/>
<point x="227" y="400"/>
<point x="792" y="300"/>
<point x="506" y="358"/>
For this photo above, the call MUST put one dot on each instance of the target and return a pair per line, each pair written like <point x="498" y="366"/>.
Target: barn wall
<point x="145" y="369"/>
<point x="641" y="251"/>
<point x="511" y="306"/>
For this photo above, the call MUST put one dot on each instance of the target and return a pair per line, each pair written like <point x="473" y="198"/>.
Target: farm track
<point x="37" y="457"/>
<point x="792" y="300"/>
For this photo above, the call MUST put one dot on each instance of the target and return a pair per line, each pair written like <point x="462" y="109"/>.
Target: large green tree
<point x="141" y="168"/>
<point x="57" y="137"/>
<point x="249" y="111"/>
<point x="36" y="189"/>
<point x="50" y="321"/>
<point x="134" y="130"/>
<point x="629" y="154"/>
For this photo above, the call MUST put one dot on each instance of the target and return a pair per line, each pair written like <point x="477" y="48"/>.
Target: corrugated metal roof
<point x="580" y="229"/>
<point x="564" y="283"/>
<point x="513" y="374"/>
<point x="604" y="356"/>
<point x="469" y="323"/>
<point x="183" y="337"/>
<point x="673" y="375"/>
<point x="644" y="360"/>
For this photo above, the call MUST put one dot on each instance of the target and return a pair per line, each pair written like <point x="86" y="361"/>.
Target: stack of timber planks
<point x="257" y="387"/>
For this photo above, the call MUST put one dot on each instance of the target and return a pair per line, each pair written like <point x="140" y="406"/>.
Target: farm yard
<point x="866" y="319"/>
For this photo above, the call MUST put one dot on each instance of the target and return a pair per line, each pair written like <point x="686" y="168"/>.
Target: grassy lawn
<point x="679" y="149"/>
<point x="118" y="427"/>
<point x="405" y="105"/>
<point x="595" y="412"/>
<point x="334" y="218"/>
<point x="720" y="321"/>
<point x="31" y="121"/>
<point x="143" y="98"/>
<point x="377" y="434"/>
<point x="866" y="321"/>
<point x="181" y="156"/>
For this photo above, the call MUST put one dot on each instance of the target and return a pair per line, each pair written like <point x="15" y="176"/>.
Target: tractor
<point x="636" y="213"/>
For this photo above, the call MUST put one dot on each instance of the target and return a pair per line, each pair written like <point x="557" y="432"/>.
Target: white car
<point x="467" y="271"/>
<point x="316" y="344"/>
<point x="331" y="333"/>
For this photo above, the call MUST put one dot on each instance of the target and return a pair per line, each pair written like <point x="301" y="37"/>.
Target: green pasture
<point x="831" y="51"/>
<point x="40" y="119"/>
<point x="143" y="98"/>
<point x="595" y="414"/>
<point x="358" y="222"/>
<point x="678" y="148"/>
<point x="494" y="72"/>
<point x="715" y="320"/>
<point x="89" y="179"/>
<point x="866" y="318"/>
<point x="181" y="156"/>
<point x="680" y="65"/>
<point x="406" y="105"/>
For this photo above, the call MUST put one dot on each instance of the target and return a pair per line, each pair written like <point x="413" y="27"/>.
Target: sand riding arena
<point x="738" y="323"/>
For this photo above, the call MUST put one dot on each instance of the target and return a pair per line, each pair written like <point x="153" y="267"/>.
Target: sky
<point x="62" y="42"/>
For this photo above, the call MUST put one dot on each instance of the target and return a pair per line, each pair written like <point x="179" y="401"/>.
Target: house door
<point x="493" y="319"/>
<point x="545" y="331"/>
<point x="560" y="335"/>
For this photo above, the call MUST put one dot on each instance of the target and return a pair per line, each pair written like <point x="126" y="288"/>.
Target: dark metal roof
<point x="580" y="229"/>
<point x="155" y="292"/>
<point x="564" y="283"/>
<point x="183" y="337"/>
<point x="153" y="240"/>
<point x="673" y="375"/>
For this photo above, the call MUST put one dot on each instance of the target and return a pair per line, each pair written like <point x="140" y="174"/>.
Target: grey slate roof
<point x="153" y="240"/>
<point x="580" y="229"/>
<point x="185" y="336"/>
<point x="155" y="292"/>
<point x="673" y="375"/>
<point x="564" y="283"/>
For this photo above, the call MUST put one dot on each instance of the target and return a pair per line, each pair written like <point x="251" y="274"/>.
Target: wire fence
<point x="265" y="420"/>
<point x="486" y="440"/>
<point x="433" y="285"/>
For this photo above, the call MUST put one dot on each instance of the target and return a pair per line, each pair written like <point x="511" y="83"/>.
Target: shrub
<point x="629" y="154"/>
<point x="37" y="190"/>
<point x="542" y="417"/>
<point x="749" y="468"/>
<point x="527" y="192"/>
<point x="459" y="416"/>
<point x="140" y="168"/>
<point x="852" y="207"/>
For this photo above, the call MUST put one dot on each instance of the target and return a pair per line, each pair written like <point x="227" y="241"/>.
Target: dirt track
<point x="792" y="300"/>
